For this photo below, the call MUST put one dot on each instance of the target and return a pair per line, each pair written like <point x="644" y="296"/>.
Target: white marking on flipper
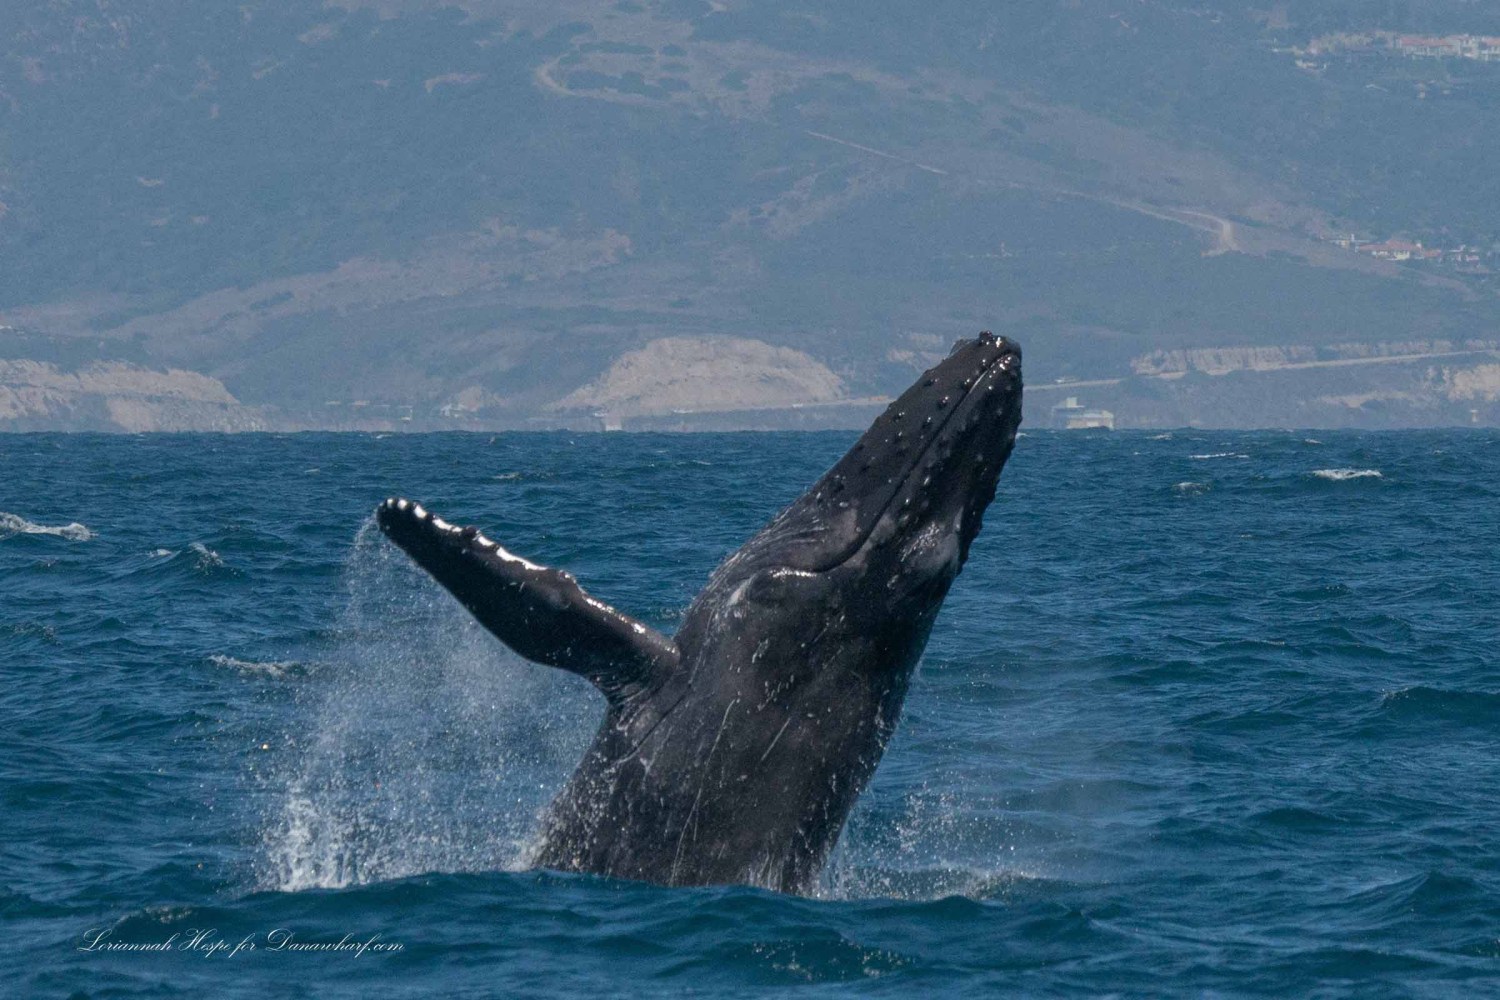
<point x="506" y="555"/>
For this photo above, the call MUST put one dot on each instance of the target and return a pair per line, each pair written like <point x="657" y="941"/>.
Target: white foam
<point x="207" y="557"/>
<point x="1217" y="454"/>
<point x="14" y="524"/>
<point x="275" y="669"/>
<point x="1339" y="475"/>
<point x="1191" y="489"/>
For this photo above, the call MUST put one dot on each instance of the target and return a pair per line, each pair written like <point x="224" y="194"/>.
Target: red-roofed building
<point x="1427" y="45"/>
<point x="1400" y="250"/>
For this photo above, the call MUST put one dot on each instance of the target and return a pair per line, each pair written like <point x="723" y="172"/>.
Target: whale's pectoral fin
<point x="540" y="613"/>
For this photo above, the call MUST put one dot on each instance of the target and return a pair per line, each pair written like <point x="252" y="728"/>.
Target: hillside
<point x="474" y="213"/>
<point x="117" y="396"/>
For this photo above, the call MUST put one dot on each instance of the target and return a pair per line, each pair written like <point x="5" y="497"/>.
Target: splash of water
<point x="921" y="845"/>
<point x="425" y="745"/>
<point x="429" y="748"/>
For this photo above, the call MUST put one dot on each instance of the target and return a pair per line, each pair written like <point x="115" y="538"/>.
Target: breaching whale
<point x="733" y="751"/>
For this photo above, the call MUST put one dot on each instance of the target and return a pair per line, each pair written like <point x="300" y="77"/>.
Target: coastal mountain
<point x="116" y="395"/>
<point x="417" y="213"/>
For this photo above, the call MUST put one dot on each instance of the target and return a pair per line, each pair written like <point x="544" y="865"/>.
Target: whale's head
<point x="876" y="542"/>
<point x="912" y="492"/>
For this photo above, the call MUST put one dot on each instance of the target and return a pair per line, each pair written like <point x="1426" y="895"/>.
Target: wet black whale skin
<point x="733" y="751"/>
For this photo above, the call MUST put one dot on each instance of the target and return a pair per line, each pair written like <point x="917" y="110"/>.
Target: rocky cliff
<point x="117" y="396"/>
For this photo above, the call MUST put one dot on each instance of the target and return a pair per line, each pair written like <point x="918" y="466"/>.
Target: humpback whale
<point x="733" y="751"/>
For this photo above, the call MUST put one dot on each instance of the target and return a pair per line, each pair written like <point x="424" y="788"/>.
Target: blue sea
<point x="1207" y="714"/>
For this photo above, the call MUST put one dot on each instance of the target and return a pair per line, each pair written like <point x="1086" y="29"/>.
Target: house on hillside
<point x="1399" y="250"/>
<point x="1428" y="46"/>
<point x="1485" y="48"/>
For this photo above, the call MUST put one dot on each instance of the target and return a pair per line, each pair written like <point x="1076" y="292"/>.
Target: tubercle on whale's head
<point x="912" y="491"/>
<point x="937" y="453"/>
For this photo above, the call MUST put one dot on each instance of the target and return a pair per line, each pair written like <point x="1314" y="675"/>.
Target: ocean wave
<point x="207" y="558"/>
<point x="1339" y="475"/>
<point x="1295" y="818"/>
<point x="1218" y="454"/>
<point x="14" y="524"/>
<point x="1191" y="489"/>
<point x="1421" y="701"/>
<point x="274" y="669"/>
<point x="846" y="881"/>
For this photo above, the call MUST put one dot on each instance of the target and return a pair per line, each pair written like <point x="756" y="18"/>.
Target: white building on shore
<point x="1070" y="415"/>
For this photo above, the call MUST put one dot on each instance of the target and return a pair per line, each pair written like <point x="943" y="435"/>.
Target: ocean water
<point x="1207" y="714"/>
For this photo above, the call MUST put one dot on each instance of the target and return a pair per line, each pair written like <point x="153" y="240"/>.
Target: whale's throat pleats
<point x="541" y="613"/>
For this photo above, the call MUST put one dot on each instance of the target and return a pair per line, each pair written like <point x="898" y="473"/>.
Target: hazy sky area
<point x="416" y="214"/>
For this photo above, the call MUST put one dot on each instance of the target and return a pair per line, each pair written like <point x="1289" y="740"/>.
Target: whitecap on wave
<point x="1217" y="454"/>
<point x="1339" y="475"/>
<point x="14" y="524"/>
<point x="1191" y="489"/>
<point x="207" y="557"/>
<point x="274" y="669"/>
